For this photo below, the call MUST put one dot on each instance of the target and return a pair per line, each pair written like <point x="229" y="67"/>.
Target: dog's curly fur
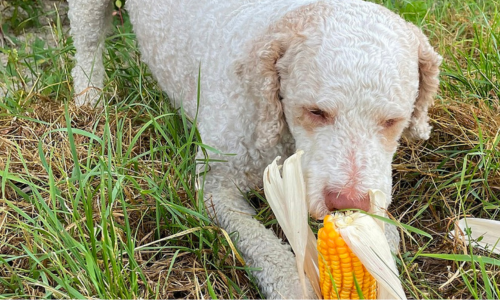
<point x="340" y="79"/>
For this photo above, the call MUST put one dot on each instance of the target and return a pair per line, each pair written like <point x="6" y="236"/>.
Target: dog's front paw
<point x="290" y="288"/>
<point x="278" y="277"/>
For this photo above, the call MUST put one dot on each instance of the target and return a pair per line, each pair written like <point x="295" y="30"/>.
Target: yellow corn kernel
<point x="338" y="266"/>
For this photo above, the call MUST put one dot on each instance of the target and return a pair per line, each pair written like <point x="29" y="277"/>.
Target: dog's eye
<point x="318" y="112"/>
<point x="317" y="117"/>
<point x="389" y="123"/>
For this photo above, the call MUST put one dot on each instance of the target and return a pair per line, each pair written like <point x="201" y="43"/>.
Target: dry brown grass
<point x="426" y="176"/>
<point x="19" y="142"/>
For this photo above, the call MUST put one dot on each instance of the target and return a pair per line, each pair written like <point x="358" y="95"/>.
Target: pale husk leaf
<point x="378" y="203"/>
<point x="484" y="233"/>
<point x="367" y="240"/>
<point x="287" y="197"/>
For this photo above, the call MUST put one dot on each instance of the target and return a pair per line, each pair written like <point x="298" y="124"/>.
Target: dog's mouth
<point x="335" y="201"/>
<point x="340" y="201"/>
<point x="332" y="203"/>
<point x="375" y="203"/>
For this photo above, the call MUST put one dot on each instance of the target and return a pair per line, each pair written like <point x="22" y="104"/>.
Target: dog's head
<point x="346" y="94"/>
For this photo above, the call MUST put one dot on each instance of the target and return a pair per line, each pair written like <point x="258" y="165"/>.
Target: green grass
<point x="103" y="204"/>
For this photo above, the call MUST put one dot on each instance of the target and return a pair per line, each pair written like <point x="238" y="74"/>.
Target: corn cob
<point x="361" y="234"/>
<point x="338" y="266"/>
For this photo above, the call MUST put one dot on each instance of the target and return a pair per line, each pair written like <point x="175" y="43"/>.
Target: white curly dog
<point x="342" y="80"/>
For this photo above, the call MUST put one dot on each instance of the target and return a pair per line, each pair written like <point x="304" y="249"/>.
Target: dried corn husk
<point x="378" y="201"/>
<point x="484" y="233"/>
<point x="287" y="197"/>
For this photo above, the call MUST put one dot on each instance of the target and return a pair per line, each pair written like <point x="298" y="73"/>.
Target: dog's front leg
<point x="261" y="248"/>
<point x="89" y="22"/>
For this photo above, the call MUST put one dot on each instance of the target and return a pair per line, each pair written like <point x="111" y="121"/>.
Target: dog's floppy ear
<point x="428" y="66"/>
<point x="259" y="71"/>
<point x="261" y="78"/>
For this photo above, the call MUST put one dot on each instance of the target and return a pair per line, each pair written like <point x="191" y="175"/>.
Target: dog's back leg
<point x="89" y="22"/>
